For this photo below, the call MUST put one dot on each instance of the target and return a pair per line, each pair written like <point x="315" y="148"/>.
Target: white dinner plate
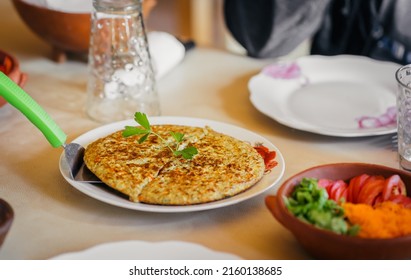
<point x="142" y="250"/>
<point x="105" y="194"/>
<point x="330" y="95"/>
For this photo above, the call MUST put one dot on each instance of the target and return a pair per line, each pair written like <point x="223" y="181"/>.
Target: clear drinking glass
<point x="403" y="76"/>
<point x="121" y="77"/>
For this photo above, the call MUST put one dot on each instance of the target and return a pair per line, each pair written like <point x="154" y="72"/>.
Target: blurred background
<point x="200" y="20"/>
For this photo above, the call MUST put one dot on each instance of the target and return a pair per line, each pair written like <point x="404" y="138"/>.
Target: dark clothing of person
<point x="271" y="28"/>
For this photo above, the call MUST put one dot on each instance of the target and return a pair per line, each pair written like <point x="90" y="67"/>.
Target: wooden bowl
<point x="9" y="65"/>
<point x="324" y="244"/>
<point x="6" y="219"/>
<point x="66" y="32"/>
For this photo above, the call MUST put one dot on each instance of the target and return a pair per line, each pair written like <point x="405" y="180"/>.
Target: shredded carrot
<point x="385" y="220"/>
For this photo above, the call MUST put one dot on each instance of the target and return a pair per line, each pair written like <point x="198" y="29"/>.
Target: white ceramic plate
<point x="141" y="250"/>
<point x="329" y="97"/>
<point x="107" y="195"/>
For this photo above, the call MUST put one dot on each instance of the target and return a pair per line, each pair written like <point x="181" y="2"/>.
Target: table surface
<point x="52" y="217"/>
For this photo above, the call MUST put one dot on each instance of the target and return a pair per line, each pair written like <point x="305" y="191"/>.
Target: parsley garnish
<point x="145" y="130"/>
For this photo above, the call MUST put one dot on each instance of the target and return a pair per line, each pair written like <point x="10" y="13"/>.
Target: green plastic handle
<point x="18" y="98"/>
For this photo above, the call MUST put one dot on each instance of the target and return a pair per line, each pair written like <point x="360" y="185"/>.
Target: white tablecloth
<point x="51" y="217"/>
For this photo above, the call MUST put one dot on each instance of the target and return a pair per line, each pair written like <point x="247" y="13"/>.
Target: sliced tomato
<point x="262" y="150"/>
<point x="355" y="186"/>
<point x="344" y="194"/>
<point x="326" y="184"/>
<point x="268" y="156"/>
<point x="401" y="199"/>
<point x="372" y="188"/>
<point x="378" y="199"/>
<point x="351" y="188"/>
<point x="340" y="193"/>
<point x="407" y="203"/>
<point x="332" y="189"/>
<point x="269" y="160"/>
<point x="396" y="198"/>
<point x="337" y="189"/>
<point x="270" y="165"/>
<point x="393" y="186"/>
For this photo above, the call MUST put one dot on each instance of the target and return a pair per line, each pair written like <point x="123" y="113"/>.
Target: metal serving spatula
<point x="23" y="102"/>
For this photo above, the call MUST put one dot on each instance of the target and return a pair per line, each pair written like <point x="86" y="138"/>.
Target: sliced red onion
<point x="386" y="119"/>
<point x="368" y="122"/>
<point x="283" y="70"/>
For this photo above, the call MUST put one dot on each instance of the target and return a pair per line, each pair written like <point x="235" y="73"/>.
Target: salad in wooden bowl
<point x="347" y="211"/>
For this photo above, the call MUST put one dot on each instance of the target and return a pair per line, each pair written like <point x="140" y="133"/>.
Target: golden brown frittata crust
<point x="150" y="173"/>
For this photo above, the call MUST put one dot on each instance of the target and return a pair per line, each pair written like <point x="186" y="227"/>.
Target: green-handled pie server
<point x="74" y="152"/>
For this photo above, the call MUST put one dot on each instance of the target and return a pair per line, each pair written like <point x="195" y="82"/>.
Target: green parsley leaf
<point x="145" y="130"/>
<point x="143" y="138"/>
<point x="132" y="130"/>
<point x="177" y="136"/>
<point x="142" y="120"/>
<point x="187" y="153"/>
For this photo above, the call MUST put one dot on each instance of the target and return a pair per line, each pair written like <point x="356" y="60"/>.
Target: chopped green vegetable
<point x="310" y="203"/>
<point x="186" y="153"/>
<point x="145" y="130"/>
